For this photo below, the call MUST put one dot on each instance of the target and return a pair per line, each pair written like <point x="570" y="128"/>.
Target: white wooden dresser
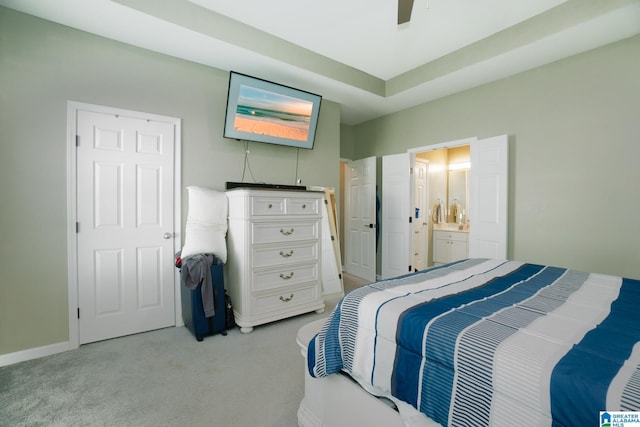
<point x="274" y="245"/>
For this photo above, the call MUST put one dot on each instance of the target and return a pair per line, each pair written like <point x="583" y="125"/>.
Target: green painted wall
<point x="42" y="66"/>
<point x="573" y="129"/>
<point x="574" y="140"/>
<point x="346" y="141"/>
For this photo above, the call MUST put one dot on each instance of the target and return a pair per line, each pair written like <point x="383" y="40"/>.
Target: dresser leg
<point x="320" y="310"/>
<point x="246" y="329"/>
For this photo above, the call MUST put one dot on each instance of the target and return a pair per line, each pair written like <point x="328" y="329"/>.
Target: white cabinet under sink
<point x="449" y="246"/>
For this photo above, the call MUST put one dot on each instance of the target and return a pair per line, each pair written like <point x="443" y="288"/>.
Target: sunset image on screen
<point x="267" y="113"/>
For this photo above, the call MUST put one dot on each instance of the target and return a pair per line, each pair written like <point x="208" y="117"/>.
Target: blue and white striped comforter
<point x="491" y="342"/>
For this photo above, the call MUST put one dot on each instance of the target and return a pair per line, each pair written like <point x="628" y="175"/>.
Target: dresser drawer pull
<point x="286" y="254"/>
<point x="304" y="206"/>
<point x="286" y="299"/>
<point x="286" y="276"/>
<point x="270" y="205"/>
<point x="285" y="232"/>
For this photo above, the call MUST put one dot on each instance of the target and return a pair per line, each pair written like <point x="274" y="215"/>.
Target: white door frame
<point x="443" y="145"/>
<point x="72" y="249"/>
<point x="504" y="203"/>
<point x="413" y="151"/>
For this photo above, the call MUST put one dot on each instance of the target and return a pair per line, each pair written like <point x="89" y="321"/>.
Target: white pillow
<point x="206" y="227"/>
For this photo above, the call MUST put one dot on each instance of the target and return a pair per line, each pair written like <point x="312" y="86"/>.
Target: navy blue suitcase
<point x="193" y="313"/>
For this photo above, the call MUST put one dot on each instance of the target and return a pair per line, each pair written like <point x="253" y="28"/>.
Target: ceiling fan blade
<point x="404" y="11"/>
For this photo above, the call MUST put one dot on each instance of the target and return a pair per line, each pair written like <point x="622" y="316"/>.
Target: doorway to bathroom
<point x="484" y="202"/>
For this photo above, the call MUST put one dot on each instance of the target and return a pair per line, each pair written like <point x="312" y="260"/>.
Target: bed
<point x="476" y="342"/>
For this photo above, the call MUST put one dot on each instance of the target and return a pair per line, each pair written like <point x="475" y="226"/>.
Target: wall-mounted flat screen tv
<point x="263" y="111"/>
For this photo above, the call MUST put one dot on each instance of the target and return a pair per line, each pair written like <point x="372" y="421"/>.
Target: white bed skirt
<point x="337" y="400"/>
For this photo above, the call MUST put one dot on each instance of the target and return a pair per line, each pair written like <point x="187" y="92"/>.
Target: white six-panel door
<point x="397" y="187"/>
<point x="360" y="236"/>
<point x="125" y="213"/>
<point x="488" y="193"/>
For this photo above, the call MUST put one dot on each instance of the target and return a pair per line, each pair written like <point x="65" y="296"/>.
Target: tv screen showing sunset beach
<point x="267" y="113"/>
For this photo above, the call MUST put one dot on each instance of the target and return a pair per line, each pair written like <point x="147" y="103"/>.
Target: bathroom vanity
<point x="449" y="243"/>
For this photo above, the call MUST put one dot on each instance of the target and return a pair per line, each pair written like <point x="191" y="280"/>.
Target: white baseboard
<point x="34" y="353"/>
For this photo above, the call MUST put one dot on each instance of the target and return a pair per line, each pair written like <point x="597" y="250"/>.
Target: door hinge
<point x="77" y="227"/>
<point x="410" y="220"/>
<point x="78" y="312"/>
<point x="409" y="268"/>
<point x="77" y="140"/>
<point x="326" y="202"/>
<point x="333" y="238"/>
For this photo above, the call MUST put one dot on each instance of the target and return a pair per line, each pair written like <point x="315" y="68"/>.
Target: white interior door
<point x="421" y="215"/>
<point x="360" y="236"/>
<point x="488" y="210"/>
<point x="125" y="213"/>
<point x="397" y="218"/>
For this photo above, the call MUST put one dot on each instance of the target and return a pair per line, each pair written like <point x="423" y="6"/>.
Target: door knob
<point x="167" y="235"/>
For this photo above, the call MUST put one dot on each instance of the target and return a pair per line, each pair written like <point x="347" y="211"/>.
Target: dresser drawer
<point x="288" y="275"/>
<point x="285" y="231"/>
<point x="284" y="254"/>
<point x="302" y="206"/>
<point x="283" y="301"/>
<point x="266" y="205"/>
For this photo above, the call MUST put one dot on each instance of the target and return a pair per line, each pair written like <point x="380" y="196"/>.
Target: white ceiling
<point x="352" y="51"/>
<point x="364" y="33"/>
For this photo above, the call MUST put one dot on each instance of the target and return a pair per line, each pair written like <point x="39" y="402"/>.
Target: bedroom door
<point x="488" y="204"/>
<point x="397" y="218"/>
<point x="360" y="236"/>
<point x="125" y="229"/>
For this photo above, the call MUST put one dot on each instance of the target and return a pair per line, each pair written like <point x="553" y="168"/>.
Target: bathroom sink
<point x="449" y="226"/>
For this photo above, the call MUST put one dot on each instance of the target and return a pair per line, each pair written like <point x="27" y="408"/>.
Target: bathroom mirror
<point x="458" y="196"/>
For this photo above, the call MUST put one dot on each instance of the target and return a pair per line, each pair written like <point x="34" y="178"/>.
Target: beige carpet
<point x="166" y="378"/>
<point x="163" y="378"/>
